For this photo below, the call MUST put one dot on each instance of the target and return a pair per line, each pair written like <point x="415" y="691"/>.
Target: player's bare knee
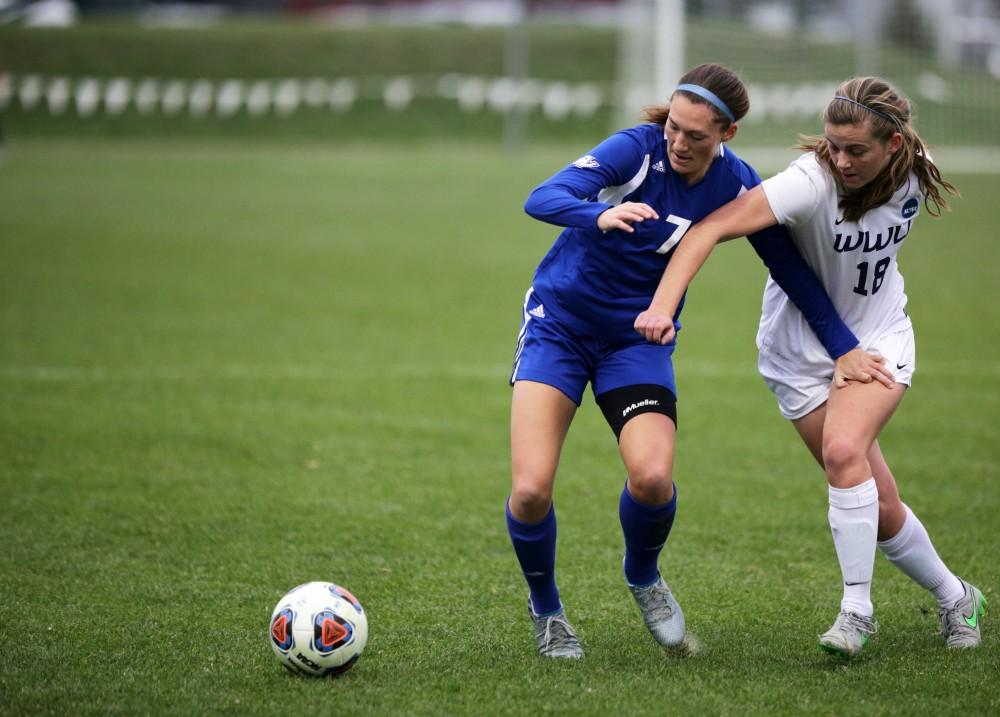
<point x="843" y="458"/>
<point x="651" y="484"/>
<point x="529" y="502"/>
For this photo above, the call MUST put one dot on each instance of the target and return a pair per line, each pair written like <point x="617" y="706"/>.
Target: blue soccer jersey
<point x="598" y="282"/>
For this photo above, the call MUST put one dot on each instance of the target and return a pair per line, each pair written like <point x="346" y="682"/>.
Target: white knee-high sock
<point x="854" y="522"/>
<point x="911" y="551"/>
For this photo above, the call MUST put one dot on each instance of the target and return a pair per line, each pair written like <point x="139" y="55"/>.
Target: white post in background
<point x="668" y="46"/>
<point x="516" y="63"/>
<point x="945" y="13"/>
<point x="869" y="21"/>
<point x="650" y="55"/>
<point x="634" y="69"/>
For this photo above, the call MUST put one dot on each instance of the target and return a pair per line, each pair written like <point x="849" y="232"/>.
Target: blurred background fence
<point x="517" y="71"/>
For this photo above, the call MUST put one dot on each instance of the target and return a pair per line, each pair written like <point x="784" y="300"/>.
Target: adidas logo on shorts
<point x="538" y="312"/>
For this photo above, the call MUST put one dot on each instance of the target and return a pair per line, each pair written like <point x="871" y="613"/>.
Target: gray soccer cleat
<point x="960" y="624"/>
<point x="660" y="612"/>
<point x="849" y="634"/>
<point x="555" y="636"/>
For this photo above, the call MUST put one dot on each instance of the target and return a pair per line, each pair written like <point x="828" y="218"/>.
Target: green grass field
<point x="228" y="368"/>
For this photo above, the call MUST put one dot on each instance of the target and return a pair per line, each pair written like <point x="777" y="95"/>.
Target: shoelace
<point x="954" y="620"/>
<point x="858" y="622"/>
<point x="658" y="603"/>
<point x="558" y="638"/>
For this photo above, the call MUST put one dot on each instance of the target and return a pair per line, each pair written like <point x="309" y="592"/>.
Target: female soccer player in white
<point x="849" y="203"/>
<point x="625" y="205"/>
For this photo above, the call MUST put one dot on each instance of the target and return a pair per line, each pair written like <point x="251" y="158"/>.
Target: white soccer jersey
<point x="855" y="261"/>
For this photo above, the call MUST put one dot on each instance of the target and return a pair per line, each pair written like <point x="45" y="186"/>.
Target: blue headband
<point x="711" y="97"/>
<point x="874" y="111"/>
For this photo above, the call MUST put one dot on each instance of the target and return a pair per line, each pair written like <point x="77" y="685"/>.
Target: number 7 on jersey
<point x="682" y="226"/>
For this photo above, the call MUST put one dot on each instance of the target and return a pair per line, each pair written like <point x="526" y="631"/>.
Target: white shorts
<point x="802" y="383"/>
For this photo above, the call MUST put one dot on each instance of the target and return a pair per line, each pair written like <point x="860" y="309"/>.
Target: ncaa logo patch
<point x="587" y="161"/>
<point x="910" y="207"/>
<point x="281" y="630"/>
<point x="330" y="631"/>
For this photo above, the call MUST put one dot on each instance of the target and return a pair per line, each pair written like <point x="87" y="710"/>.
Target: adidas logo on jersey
<point x="659" y="167"/>
<point x="538" y="312"/>
<point x="587" y="161"/>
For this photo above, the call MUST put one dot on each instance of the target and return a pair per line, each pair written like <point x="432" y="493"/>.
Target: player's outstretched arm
<point x="744" y="215"/>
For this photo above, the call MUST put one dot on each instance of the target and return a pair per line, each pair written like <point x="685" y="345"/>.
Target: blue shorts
<point x="548" y="352"/>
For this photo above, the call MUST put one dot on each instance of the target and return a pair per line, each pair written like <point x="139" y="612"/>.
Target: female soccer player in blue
<point x="850" y="201"/>
<point x="625" y="205"/>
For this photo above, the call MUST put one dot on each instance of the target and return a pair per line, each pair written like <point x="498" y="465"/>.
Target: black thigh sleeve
<point x="621" y="404"/>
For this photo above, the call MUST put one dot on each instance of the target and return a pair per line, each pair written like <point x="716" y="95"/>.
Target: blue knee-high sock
<point x="535" y="547"/>
<point x="646" y="529"/>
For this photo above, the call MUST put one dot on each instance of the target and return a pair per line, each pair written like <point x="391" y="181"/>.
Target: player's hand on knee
<point x="655" y="326"/>
<point x="624" y="216"/>
<point x="863" y="367"/>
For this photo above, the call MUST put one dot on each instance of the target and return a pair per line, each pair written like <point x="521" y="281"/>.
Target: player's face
<point x="859" y="156"/>
<point x="693" y="137"/>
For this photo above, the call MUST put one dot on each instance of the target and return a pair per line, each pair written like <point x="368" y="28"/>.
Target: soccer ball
<point x="318" y="629"/>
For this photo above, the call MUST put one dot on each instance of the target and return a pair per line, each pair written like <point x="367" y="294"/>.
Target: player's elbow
<point x="531" y="206"/>
<point x="536" y="203"/>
